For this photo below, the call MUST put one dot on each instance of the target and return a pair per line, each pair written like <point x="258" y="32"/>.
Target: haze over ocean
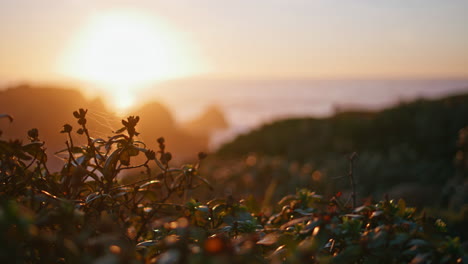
<point x="248" y="104"/>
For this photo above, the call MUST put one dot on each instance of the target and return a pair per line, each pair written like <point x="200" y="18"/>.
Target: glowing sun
<point x="123" y="50"/>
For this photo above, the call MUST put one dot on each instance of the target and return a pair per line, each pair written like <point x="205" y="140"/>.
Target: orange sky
<point x="255" y="39"/>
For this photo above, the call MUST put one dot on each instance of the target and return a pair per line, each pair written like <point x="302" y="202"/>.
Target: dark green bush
<point x="411" y="143"/>
<point x="88" y="213"/>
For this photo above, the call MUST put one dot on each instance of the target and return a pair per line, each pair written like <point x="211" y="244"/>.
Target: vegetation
<point x="412" y="144"/>
<point x="89" y="213"/>
<point x="49" y="107"/>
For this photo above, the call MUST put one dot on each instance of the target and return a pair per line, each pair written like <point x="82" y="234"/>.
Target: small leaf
<point x="203" y="208"/>
<point x="205" y="181"/>
<point x="153" y="182"/>
<point x="150" y="155"/>
<point x="295" y="222"/>
<point x="125" y="158"/>
<point x="376" y="214"/>
<point x="66" y="128"/>
<point x="95" y="196"/>
<point x="147" y="243"/>
<point x="76" y="150"/>
<point x="7" y="116"/>
<point x="287" y="199"/>
<point x="354" y="216"/>
<point x="418" y="242"/>
<point x="35" y="149"/>
<point x="307" y="212"/>
<point x="362" y="209"/>
<point x="109" y="166"/>
<point x="120" y="130"/>
<point x="33" y="134"/>
<point x="420" y="258"/>
<point x="269" y="239"/>
<point x="279" y="252"/>
<point x="133" y="151"/>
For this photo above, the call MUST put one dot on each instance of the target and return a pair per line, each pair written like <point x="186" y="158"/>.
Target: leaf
<point x="311" y="225"/>
<point x="287" y="198"/>
<point x="219" y="209"/>
<point x="226" y="229"/>
<point x="420" y="258"/>
<point x="306" y="212"/>
<point x="81" y="160"/>
<point x="215" y="202"/>
<point x="279" y="252"/>
<point x="109" y="165"/>
<point x="132" y="151"/>
<point x="269" y="239"/>
<point x="35" y="149"/>
<point x="125" y="158"/>
<point x="91" y="196"/>
<point x="120" y="194"/>
<point x="295" y="222"/>
<point x="53" y="197"/>
<point x="121" y="191"/>
<point x="203" y="208"/>
<point x="77" y="150"/>
<point x="113" y="139"/>
<point x="97" y="140"/>
<point x="95" y="196"/>
<point x="362" y="208"/>
<point x="6" y="147"/>
<point x="7" y="116"/>
<point x="418" y="243"/>
<point x="152" y="182"/>
<point x="376" y="214"/>
<point x="138" y="143"/>
<point x="205" y="181"/>
<point x="354" y="216"/>
<point x="147" y="243"/>
<point x="120" y="130"/>
<point x="378" y="239"/>
<point x="399" y="239"/>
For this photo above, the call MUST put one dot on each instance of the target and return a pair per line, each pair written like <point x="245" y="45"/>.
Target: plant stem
<point x="351" y="159"/>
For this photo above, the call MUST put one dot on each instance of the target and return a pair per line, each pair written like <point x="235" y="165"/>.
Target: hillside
<point x="412" y="143"/>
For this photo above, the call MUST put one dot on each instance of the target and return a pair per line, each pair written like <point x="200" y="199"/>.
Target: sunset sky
<point x="54" y="39"/>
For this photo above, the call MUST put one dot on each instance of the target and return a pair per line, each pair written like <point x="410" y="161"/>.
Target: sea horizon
<point x="249" y="104"/>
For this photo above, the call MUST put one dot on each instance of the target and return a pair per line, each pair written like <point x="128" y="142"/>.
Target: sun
<point x="124" y="50"/>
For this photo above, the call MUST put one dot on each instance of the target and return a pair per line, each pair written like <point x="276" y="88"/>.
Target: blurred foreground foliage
<point x="87" y="213"/>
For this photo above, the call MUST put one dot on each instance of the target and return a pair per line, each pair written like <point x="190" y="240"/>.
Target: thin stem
<point x="351" y="159"/>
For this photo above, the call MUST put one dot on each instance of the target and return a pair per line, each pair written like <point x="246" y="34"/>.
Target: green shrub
<point x="87" y="214"/>
<point x="412" y="143"/>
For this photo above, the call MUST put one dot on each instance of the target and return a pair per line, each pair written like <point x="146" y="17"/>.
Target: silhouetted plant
<point x="86" y="214"/>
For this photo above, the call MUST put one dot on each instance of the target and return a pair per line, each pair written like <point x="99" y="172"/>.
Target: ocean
<point x="249" y="104"/>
